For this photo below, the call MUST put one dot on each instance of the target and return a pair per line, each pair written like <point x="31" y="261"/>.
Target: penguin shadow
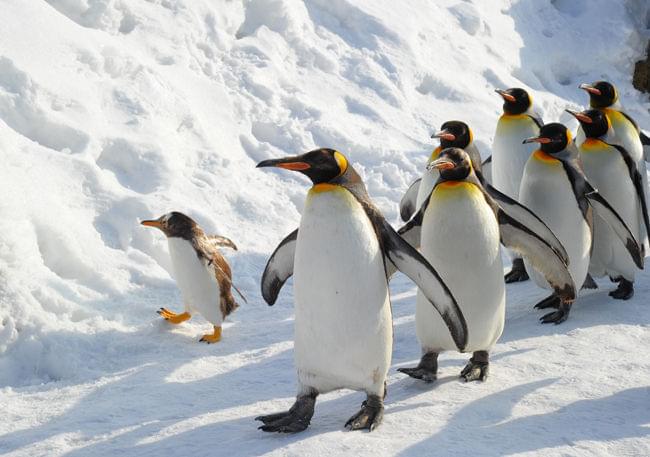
<point x="493" y="431"/>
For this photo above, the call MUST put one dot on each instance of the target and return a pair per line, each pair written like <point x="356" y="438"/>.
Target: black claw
<point x="419" y="373"/>
<point x="589" y="283"/>
<point x="295" y="420"/>
<point x="624" y="291"/>
<point x="555" y="317"/>
<point x="552" y="301"/>
<point x="477" y="369"/>
<point x="369" y="416"/>
<point x="517" y="273"/>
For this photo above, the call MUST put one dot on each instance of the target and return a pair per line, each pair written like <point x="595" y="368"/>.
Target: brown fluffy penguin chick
<point x="201" y="272"/>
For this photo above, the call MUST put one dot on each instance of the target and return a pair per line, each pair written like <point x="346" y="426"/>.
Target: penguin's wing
<point x="486" y="170"/>
<point x="412" y="229"/>
<point x="603" y="209"/>
<point x="527" y="218"/>
<point x="645" y="141"/>
<point x="279" y="268"/>
<point x="637" y="180"/>
<point x="535" y="248"/>
<point x="409" y="200"/>
<point x="222" y="241"/>
<point x="535" y="116"/>
<point x="410" y="262"/>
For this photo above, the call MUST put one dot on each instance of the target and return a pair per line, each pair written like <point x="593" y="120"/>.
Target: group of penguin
<point x="565" y="209"/>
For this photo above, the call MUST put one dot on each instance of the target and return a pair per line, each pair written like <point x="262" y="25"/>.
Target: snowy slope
<point x="112" y="111"/>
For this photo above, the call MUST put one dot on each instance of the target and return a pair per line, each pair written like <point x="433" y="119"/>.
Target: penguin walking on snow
<point x="452" y="134"/>
<point x="201" y="272"/>
<point x="612" y="170"/>
<point x="520" y="120"/>
<point x="458" y="229"/>
<point x="556" y="189"/>
<point x="604" y="96"/>
<point x="339" y="258"/>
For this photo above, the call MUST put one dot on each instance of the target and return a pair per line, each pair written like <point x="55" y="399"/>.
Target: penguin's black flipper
<point x="412" y="229"/>
<point x="407" y="204"/>
<point x="410" y="262"/>
<point x="486" y="171"/>
<point x="603" y="209"/>
<point x="637" y="180"/>
<point x="645" y="141"/>
<point x="534" y="248"/>
<point x="279" y="268"/>
<point x="528" y="219"/>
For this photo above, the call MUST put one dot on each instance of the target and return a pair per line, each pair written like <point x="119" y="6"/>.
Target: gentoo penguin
<point x="338" y="258"/>
<point x="556" y="189"/>
<point x="604" y="96"/>
<point x="452" y="134"/>
<point x="201" y="272"/>
<point x="519" y="121"/>
<point x="610" y="168"/>
<point x="458" y="229"/>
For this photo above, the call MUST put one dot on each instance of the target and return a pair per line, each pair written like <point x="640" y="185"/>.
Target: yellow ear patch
<point x="341" y="161"/>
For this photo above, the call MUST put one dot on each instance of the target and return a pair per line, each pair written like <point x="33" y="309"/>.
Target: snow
<point x="116" y="111"/>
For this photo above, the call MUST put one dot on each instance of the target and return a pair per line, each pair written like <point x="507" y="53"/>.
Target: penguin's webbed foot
<point x="172" y="317"/>
<point x="426" y="370"/>
<point x="589" y="283"/>
<point x="552" y="301"/>
<point x="517" y="273"/>
<point x="477" y="369"/>
<point x="369" y="416"/>
<point x="419" y="373"/>
<point x="559" y="316"/>
<point x="212" y="337"/>
<point x="295" y="420"/>
<point x="624" y="291"/>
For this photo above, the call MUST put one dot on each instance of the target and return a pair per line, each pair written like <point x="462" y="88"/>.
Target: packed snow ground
<point x="115" y="111"/>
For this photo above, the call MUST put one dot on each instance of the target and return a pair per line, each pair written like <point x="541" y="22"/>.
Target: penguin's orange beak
<point x="589" y="88"/>
<point x="506" y="96"/>
<point x="287" y="164"/>
<point x="152" y="223"/>
<point x="444" y="135"/>
<point x="442" y="163"/>
<point x="582" y="117"/>
<point x="537" y="139"/>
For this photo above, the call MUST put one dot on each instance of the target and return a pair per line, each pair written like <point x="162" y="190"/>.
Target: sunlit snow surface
<point x="115" y="111"/>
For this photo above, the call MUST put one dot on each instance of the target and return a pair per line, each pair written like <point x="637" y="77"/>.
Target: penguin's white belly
<point x="196" y="280"/>
<point x="343" y="328"/>
<point x="547" y="191"/>
<point x="606" y="170"/>
<point x="460" y="238"/>
<point x="509" y="155"/>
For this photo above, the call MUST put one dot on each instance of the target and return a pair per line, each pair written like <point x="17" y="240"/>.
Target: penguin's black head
<point x="602" y="94"/>
<point x="174" y="224"/>
<point x="454" y="164"/>
<point x="594" y="122"/>
<point x="515" y="100"/>
<point x="454" y="134"/>
<point x="320" y="165"/>
<point x="553" y="138"/>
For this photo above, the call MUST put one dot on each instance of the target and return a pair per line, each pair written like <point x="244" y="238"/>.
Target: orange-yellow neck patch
<point x="545" y="158"/>
<point x="593" y="145"/>
<point x="324" y="187"/>
<point x="456" y="188"/>
<point x="435" y="154"/>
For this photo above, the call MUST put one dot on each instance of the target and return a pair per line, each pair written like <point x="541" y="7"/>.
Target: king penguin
<point x="201" y="272"/>
<point x="520" y="120"/>
<point x="338" y="258"/>
<point x="611" y="169"/>
<point x="458" y="229"/>
<point x="556" y="189"/>
<point x="604" y="96"/>
<point x="452" y="134"/>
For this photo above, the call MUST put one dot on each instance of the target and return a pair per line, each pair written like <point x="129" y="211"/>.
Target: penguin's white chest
<point x="509" y="155"/>
<point x="547" y="191"/>
<point x="606" y="170"/>
<point x="343" y="331"/>
<point x="196" y="280"/>
<point x="460" y="238"/>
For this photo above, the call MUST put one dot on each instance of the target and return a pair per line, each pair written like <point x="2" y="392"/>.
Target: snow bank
<point x="114" y="111"/>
